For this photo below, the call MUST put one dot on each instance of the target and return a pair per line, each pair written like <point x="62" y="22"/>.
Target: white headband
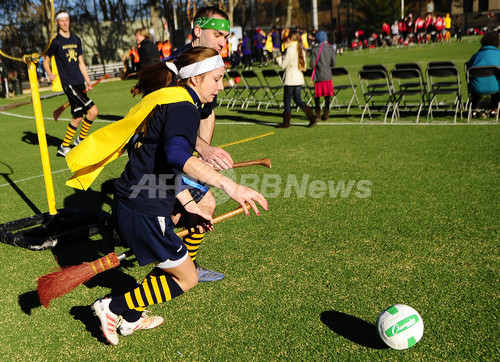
<point x="62" y="15"/>
<point x="197" y="68"/>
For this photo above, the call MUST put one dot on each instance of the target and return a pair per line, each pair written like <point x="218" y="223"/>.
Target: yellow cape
<point x="108" y="143"/>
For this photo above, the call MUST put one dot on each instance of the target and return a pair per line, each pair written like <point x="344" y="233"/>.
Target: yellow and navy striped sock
<point x="158" y="287"/>
<point x="70" y="132"/>
<point x="85" y="128"/>
<point x="192" y="242"/>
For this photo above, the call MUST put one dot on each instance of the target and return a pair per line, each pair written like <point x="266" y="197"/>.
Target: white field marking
<point x="435" y="123"/>
<point x="47" y="119"/>
<point x="125" y="154"/>
<point x="33" y="177"/>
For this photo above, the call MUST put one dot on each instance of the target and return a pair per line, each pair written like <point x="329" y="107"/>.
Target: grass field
<point x="361" y="217"/>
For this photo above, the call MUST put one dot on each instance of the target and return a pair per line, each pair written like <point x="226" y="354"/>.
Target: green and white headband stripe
<point x="212" y="23"/>
<point x="197" y="68"/>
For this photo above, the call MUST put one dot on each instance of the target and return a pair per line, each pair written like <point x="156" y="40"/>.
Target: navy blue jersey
<point x="148" y="182"/>
<point x="66" y="52"/>
<point x="207" y="108"/>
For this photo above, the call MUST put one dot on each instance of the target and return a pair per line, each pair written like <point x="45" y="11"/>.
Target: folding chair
<point x="253" y="85"/>
<point x="407" y="83"/>
<point x="375" y="86"/>
<point x="379" y="67"/>
<point x="273" y="85"/>
<point x="226" y="94"/>
<point x="480" y="72"/>
<point x="412" y="66"/>
<point x="346" y="84"/>
<point x="444" y="80"/>
<point x="237" y="89"/>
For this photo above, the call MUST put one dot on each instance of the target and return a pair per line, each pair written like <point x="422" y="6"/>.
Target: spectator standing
<point x="4" y="78"/>
<point x="294" y="63"/>
<point x="247" y="51"/>
<point x="420" y="30"/>
<point x="429" y="27"/>
<point x="134" y="59"/>
<point x="385" y="33"/>
<point x="322" y="60"/>
<point x="488" y="54"/>
<point x="233" y="49"/>
<point x="458" y="28"/>
<point x="148" y="51"/>
<point x="67" y="51"/>
<point x="439" y="26"/>
<point x="447" y="27"/>
<point x="276" y="37"/>
<point x="95" y="59"/>
<point x="395" y="32"/>
<point x="166" y="49"/>
<point x="259" y="41"/>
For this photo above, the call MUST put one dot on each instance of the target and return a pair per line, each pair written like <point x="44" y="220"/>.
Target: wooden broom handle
<point x="262" y="162"/>
<point x="185" y="232"/>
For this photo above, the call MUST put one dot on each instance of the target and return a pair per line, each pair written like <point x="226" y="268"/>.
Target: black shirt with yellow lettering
<point x="66" y="52"/>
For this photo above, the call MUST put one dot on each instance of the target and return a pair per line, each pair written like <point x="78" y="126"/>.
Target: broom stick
<point x="58" y="111"/>
<point x="58" y="283"/>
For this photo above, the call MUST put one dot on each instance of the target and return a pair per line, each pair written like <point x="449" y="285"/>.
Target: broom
<point x="58" y="111"/>
<point x="58" y="283"/>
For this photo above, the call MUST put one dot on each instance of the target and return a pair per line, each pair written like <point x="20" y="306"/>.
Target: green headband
<point x="211" y="23"/>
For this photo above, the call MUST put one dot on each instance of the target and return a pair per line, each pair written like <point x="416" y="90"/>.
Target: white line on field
<point x="477" y="123"/>
<point x="47" y="119"/>
<point x="33" y="177"/>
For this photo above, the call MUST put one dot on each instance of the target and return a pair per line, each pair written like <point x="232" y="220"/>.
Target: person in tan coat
<point x="294" y="63"/>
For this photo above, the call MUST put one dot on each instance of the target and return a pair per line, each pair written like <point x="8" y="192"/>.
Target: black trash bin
<point x="18" y="86"/>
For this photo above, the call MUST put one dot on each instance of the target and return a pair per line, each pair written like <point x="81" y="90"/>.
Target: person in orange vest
<point x="224" y="53"/>
<point x="166" y="49"/>
<point x="134" y="59"/>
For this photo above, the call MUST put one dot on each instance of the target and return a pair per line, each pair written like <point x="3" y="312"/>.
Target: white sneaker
<point x="109" y="320"/>
<point x="77" y="141"/>
<point x="145" y="322"/>
<point x="63" y="150"/>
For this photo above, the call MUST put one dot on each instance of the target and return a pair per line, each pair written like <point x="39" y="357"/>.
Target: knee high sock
<point x="85" y="128"/>
<point x="327" y="102"/>
<point x="192" y="242"/>
<point x="158" y="287"/>
<point x="317" y="104"/>
<point x="70" y="132"/>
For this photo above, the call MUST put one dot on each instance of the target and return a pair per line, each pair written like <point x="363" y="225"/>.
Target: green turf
<point x="305" y="280"/>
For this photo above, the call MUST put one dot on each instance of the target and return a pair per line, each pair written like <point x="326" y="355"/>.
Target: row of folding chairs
<point x="439" y="90"/>
<point x="406" y="81"/>
<point x="406" y="89"/>
<point x="246" y="88"/>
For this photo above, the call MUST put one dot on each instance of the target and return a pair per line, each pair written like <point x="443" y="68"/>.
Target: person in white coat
<point x="294" y="63"/>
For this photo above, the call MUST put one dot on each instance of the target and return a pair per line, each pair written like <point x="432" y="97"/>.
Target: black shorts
<point x="78" y="100"/>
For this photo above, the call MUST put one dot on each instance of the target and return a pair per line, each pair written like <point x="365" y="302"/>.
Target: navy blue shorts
<point x="151" y="238"/>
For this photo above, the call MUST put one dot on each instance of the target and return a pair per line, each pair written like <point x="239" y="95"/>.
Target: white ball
<point x="400" y="326"/>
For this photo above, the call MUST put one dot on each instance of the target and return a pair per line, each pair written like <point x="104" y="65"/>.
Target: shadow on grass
<point x="353" y="328"/>
<point x="85" y="314"/>
<point x="31" y="138"/>
<point x="87" y="250"/>
<point x="14" y="186"/>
